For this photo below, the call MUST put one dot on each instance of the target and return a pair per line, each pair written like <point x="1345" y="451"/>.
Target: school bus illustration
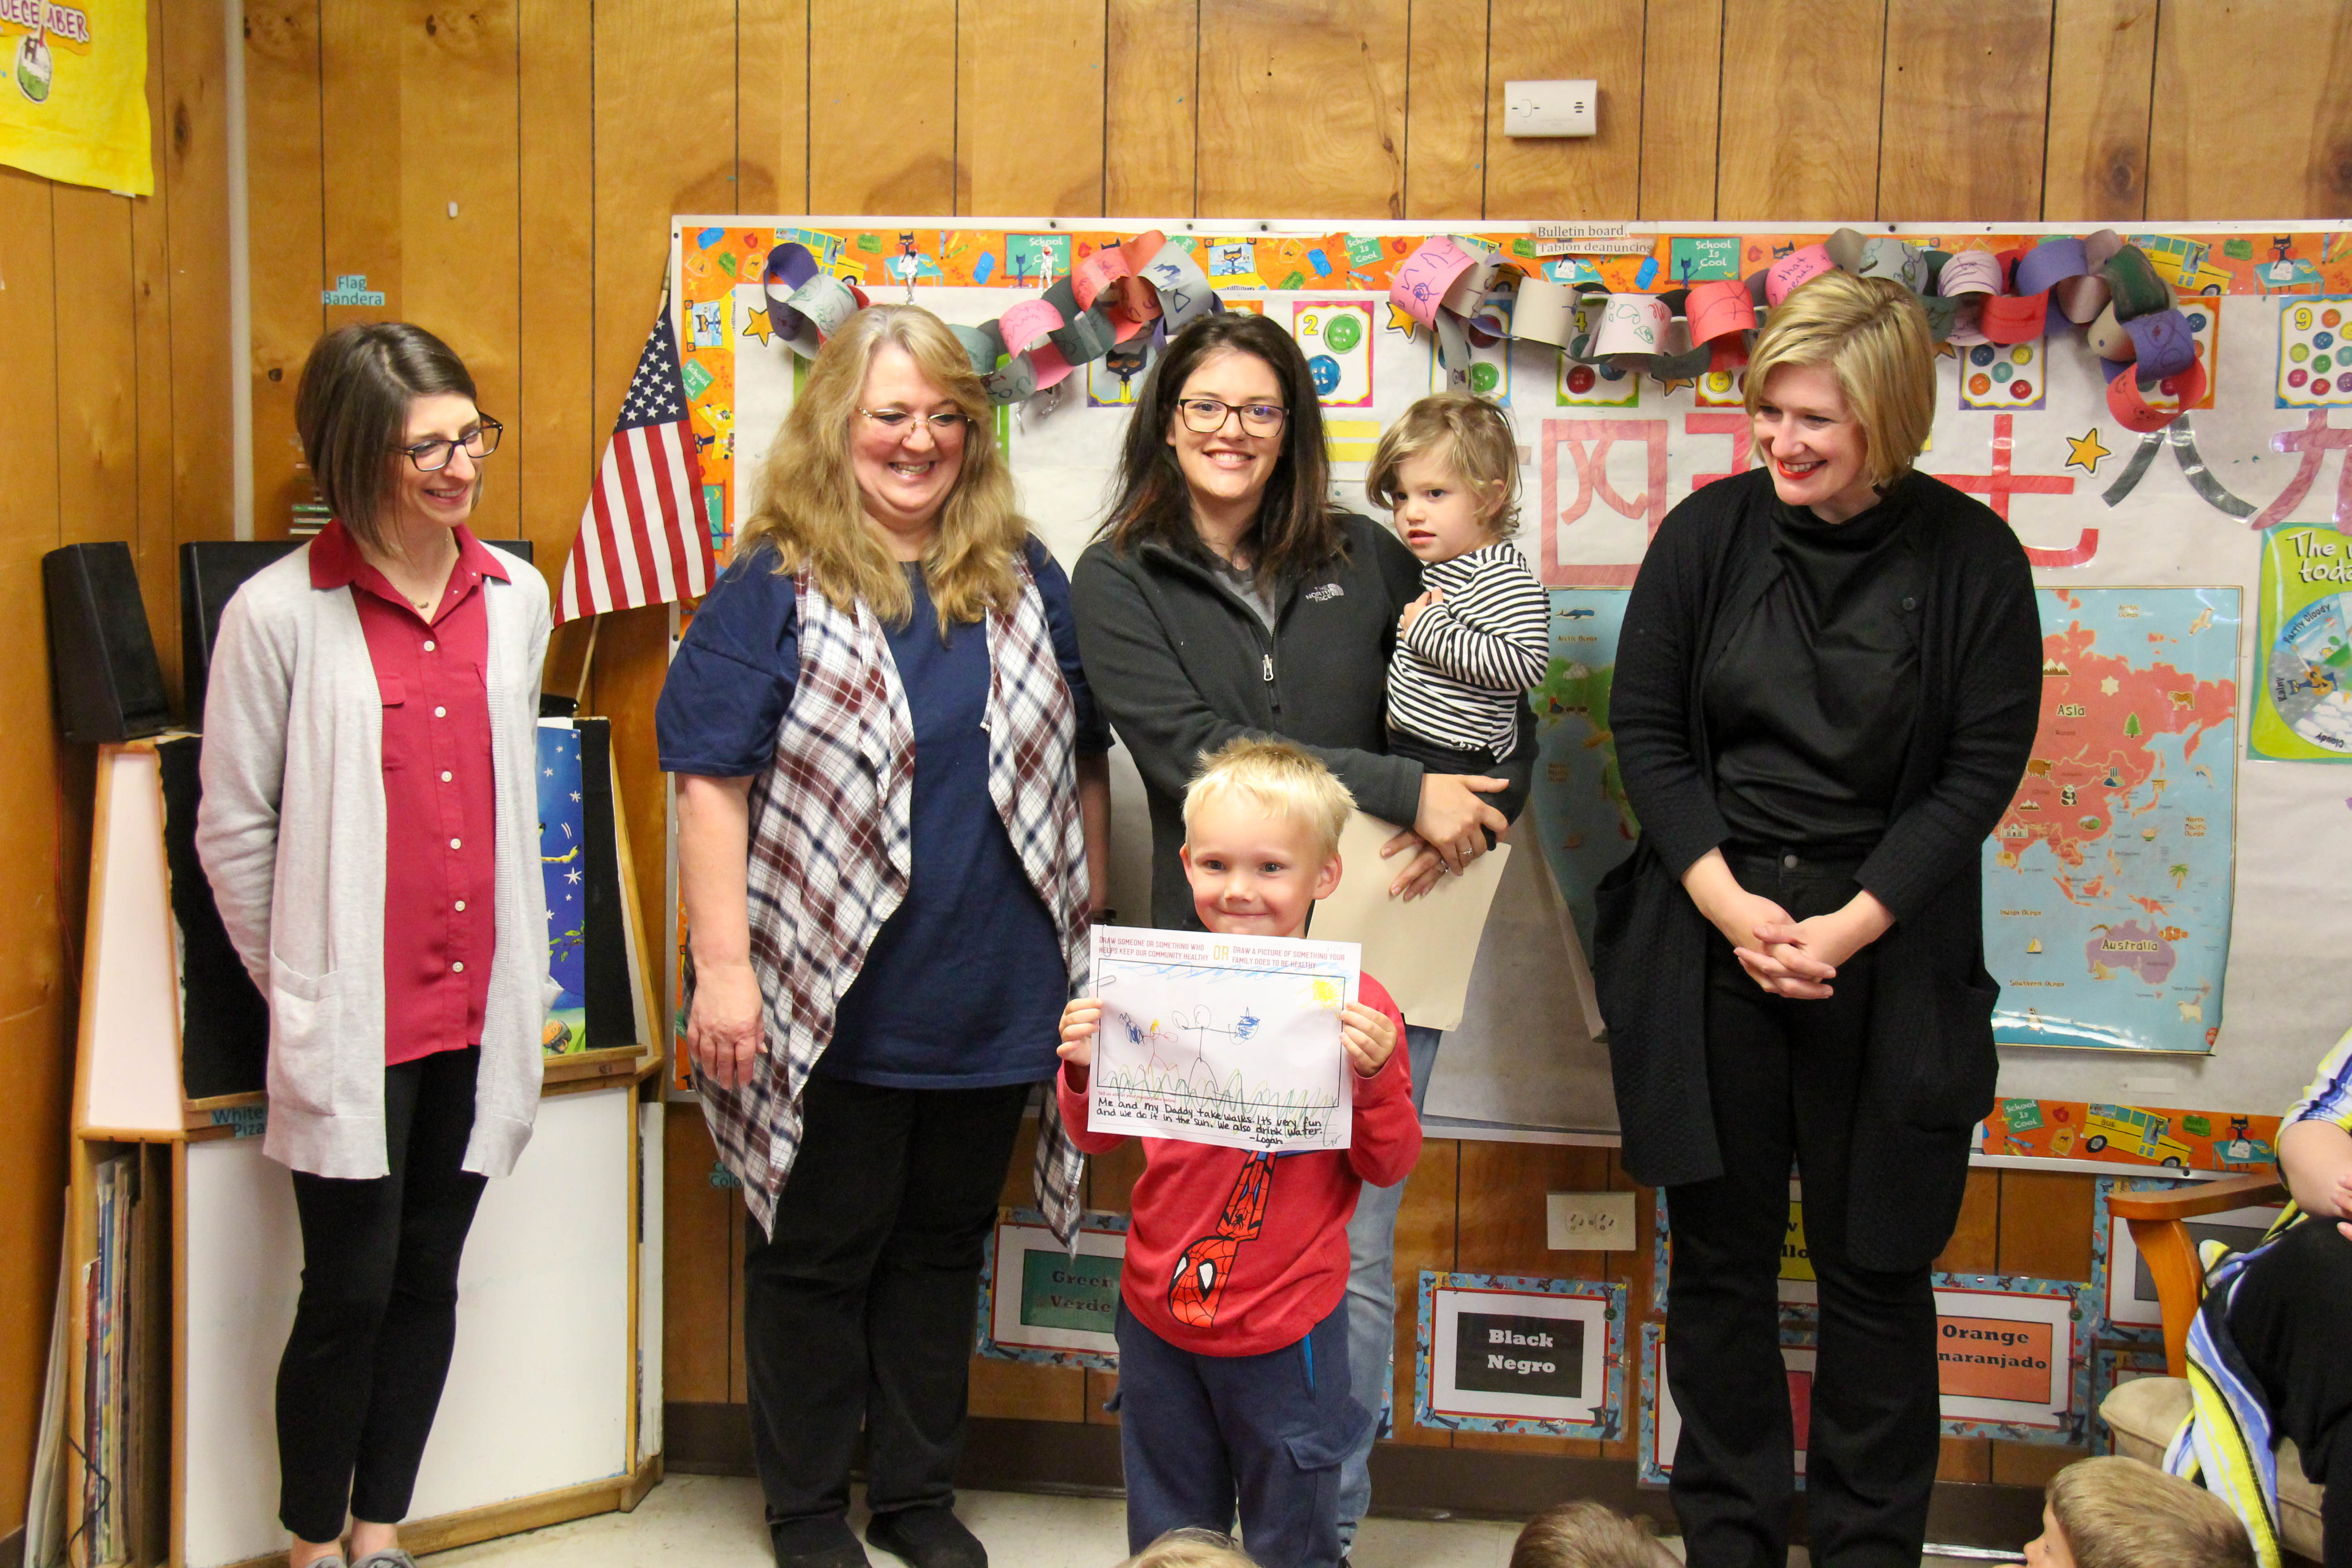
<point x="2185" y="260"/>
<point x="2134" y="1132"/>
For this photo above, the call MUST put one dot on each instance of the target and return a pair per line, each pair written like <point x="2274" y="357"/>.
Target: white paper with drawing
<point x="1222" y="1040"/>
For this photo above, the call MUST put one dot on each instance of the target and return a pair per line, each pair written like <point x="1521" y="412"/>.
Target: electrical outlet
<point x="1551" y="107"/>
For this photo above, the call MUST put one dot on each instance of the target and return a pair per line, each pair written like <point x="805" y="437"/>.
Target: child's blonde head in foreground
<point x="1276" y="779"/>
<point x="1586" y="1535"/>
<point x="2119" y="1513"/>
<point x="1191" y="1549"/>
<point x="1464" y="436"/>
<point x="1262" y="823"/>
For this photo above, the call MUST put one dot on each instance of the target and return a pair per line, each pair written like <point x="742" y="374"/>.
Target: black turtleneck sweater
<point x="1811" y="703"/>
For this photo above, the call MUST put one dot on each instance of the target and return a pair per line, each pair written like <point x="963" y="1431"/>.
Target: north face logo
<point x="1325" y="593"/>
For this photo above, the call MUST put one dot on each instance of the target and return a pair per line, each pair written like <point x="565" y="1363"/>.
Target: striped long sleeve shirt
<point x="1459" y="669"/>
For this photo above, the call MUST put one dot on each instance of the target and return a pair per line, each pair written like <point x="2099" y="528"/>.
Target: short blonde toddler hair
<point x="1473" y="437"/>
<point x="1587" y="1534"/>
<point x="1191" y="1549"/>
<point x="1279" y="778"/>
<point x="2119" y="1513"/>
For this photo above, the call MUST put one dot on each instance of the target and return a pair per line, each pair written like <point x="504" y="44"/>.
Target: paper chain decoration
<point x="1138" y="288"/>
<point x="1464" y="291"/>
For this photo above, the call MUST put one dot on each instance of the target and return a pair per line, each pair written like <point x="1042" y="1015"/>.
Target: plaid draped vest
<point x="832" y="836"/>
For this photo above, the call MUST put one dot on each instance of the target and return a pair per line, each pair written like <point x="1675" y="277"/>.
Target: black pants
<point x="861" y="1307"/>
<point x="1784" y="1076"/>
<point x="2288" y="1317"/>
<point x="362" y="1371"/>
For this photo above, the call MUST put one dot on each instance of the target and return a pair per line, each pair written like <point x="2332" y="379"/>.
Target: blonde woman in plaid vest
<point x="891" y="794"/>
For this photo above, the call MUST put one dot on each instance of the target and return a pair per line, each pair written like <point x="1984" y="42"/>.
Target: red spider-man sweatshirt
<point x="1231" y="1253"/>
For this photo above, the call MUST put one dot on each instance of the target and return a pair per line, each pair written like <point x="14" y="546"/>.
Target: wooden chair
<point x="2144" y="1413"/>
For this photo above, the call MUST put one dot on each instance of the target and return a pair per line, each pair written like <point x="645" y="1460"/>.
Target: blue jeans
<point x="1371" y="1301"/>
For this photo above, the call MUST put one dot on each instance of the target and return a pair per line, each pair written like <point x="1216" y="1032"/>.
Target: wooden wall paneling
<point x="33" y="1115"/>
<point x="1681" y="107"/>
<point x="1425" y="1236"/>
<point x="1967" y="100"/>
<point x="1151" y="62"/>
<point x="1026" y="1391"/>
<point x="1302" y="107"/>
<point x="2030" y="1464"/>
<point x="771" y="106"/>
<point x="1502" y="1228"/>
<point x="192" y="179"/>
<point x="286" y="227"/>
<point x="2102" y="59"/>
<point x="98" y="368"/>
<point x="2253" y="120"/>
<point x="1014" y="58"/>
<point x="157" y="549"/>
<point x="1595" y="176"/>
<point x="555" y="437"/>
<point x="1446" y="127"/>
<point x="1801" y="109"/>
<point x="2045" y="1224"/>
<point x="363" y="132"/>
<point x="882" y="109"/>
<point x="664" y="136"/>
<point x="700" y="1296"/>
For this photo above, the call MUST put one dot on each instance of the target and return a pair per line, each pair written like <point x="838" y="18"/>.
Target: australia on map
<point x="2107" y="882"/>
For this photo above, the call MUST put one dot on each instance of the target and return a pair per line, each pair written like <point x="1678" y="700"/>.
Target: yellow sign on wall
<point x="75" y="104"/>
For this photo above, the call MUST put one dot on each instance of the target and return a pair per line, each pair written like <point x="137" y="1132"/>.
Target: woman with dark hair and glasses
<point x="1227" y="595"/>
<point x="370" y="830"/>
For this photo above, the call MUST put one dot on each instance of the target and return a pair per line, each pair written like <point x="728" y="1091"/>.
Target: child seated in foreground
<point x="1191" y="1549"/>
<point x="1472" y="644"/>
<point x="1233" y="1334"/>
<point x="1588" y="1534"/>
<point x="2120" y="1513"/>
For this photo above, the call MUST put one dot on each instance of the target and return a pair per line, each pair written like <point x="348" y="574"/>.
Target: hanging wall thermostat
<point x="1550" y="108"/>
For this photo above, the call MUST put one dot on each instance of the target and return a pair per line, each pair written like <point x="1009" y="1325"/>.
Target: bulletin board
<point x="2166" y="896"/>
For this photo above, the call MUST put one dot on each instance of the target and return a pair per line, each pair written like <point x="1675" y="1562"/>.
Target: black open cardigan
<point x="1929" y="1071"/>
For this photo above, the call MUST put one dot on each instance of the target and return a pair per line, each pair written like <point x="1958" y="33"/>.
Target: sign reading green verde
<point x="1062" y="1292"/>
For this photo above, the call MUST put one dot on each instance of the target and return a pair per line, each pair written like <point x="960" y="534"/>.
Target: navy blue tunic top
<point x="964" y="984"/>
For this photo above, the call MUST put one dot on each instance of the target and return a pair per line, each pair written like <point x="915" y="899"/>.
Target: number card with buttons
<point x="2315" y="363"/>
<point x="1336" y="335"/>
<point x="2003" y="376"/>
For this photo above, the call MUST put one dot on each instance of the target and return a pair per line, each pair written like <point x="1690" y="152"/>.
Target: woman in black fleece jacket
<point x="1226" y="597"/>
<point x="1826" y="688"/>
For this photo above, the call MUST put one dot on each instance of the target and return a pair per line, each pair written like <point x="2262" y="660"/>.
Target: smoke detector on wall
<point x="1550" y="108"/>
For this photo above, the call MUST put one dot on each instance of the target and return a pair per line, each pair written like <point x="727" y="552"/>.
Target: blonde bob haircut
<point x="1587" y="1534"/>
<point x="2119" y="1513"/>
<point x="1191" y="1548"/>
<point x="1281" y="780"/>
<point x="810" y="509"/>
<point x="1874" y="334"/>
<point x="1469" y="436"/>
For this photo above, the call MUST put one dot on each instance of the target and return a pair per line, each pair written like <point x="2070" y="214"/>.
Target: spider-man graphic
<point x="1203" y="1268"/>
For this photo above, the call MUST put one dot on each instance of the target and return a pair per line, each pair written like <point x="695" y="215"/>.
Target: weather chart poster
<point x="2163" y="883"/>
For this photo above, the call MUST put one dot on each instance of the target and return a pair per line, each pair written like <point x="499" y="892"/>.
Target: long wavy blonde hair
<point x="810" y="510"/>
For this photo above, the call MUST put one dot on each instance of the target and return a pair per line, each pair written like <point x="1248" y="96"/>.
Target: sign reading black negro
<point x="1494" y="1353"/>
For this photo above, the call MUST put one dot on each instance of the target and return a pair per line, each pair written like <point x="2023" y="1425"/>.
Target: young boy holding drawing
<point x="1232" y="1332"/>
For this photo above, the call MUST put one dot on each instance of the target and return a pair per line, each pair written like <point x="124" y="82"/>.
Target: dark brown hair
<point x="352" y="413"/>
<point x="1297" y="528"/>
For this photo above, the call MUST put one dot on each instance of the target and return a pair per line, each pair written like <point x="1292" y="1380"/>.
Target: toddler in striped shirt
<point x="1479" y="638"/>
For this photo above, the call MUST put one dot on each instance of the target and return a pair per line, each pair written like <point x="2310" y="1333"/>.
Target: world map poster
<point x="2107" y="882"/>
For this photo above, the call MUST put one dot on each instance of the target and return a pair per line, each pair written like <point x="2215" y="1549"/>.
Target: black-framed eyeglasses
<point x="432" y="457"/>
<point x="1207" y="415"/>
<point x="942" y="426"/>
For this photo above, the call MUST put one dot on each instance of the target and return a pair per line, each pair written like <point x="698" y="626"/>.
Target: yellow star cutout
<point x="755" y="325"/>
<point x="1667" y="387"/>
<point x="2083" y="451"/>
<point x="1401" y="319"/>
<point x="1947" y="350"/>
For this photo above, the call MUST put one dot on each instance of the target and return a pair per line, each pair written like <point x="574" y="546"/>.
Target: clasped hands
<point x="1785" y="956"/>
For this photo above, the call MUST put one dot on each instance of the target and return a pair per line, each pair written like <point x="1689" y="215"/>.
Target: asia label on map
<point x="2108" y="881"/>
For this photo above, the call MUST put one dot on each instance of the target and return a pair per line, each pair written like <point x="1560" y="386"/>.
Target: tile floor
<point x="713" y="1522"/>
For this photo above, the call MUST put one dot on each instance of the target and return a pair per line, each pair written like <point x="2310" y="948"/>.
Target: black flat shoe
<point x="926" y="1538"/>
<point x="818" y="1543"/>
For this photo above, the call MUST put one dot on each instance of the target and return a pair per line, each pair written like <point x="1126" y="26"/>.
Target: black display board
<point x="611" y="1003"/>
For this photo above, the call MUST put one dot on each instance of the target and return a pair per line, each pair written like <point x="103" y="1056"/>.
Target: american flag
<point x="642" y="539"/>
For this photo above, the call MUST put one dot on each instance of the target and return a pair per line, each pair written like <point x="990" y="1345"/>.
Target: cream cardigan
<point x="291" y="835"/>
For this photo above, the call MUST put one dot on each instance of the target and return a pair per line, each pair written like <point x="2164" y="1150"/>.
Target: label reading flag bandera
<point x="642" y="539"/>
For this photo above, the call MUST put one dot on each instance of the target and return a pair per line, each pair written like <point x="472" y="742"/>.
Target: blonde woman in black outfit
<point x="1825" y="694"/>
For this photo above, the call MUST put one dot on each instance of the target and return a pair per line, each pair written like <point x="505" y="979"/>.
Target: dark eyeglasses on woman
<point x="432" y="457"/>
<point x="1207" y="415"/>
